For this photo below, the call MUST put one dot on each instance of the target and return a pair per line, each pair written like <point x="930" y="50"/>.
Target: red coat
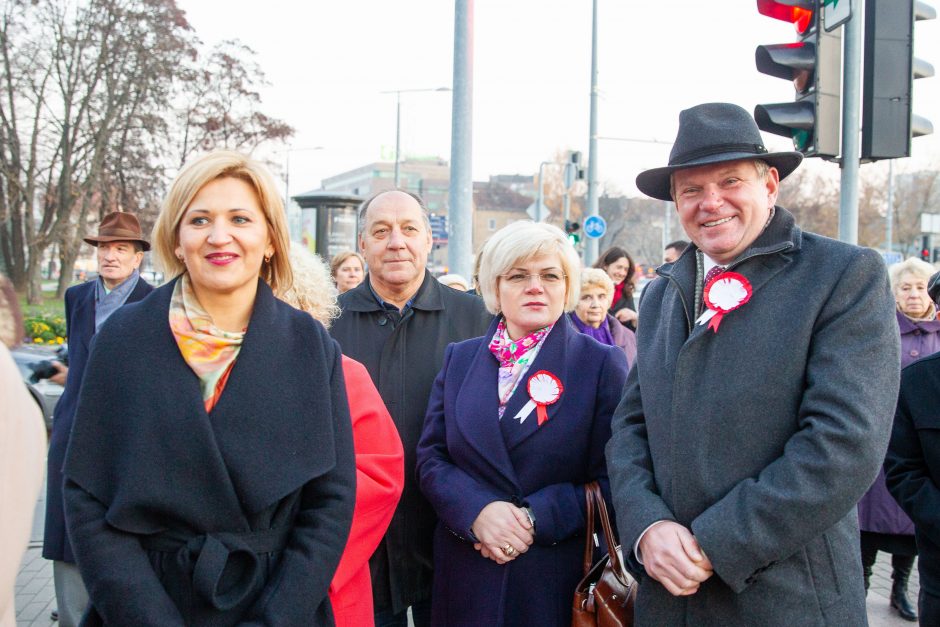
<point x="380" y="476"/>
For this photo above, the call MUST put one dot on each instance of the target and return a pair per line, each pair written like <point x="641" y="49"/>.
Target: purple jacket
<point x="878" y="511"/>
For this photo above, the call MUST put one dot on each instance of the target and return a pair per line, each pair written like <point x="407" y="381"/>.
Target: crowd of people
<point x="270" y="440"/>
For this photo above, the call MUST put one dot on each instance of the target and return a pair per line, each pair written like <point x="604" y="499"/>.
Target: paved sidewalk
<point x="35" y="593"/>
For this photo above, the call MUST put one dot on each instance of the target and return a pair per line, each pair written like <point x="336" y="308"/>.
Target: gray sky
<point x="327" y="63"/>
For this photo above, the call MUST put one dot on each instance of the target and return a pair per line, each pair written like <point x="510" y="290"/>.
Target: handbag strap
<point x="589" y="535"/>
<point x="594" y="491"/>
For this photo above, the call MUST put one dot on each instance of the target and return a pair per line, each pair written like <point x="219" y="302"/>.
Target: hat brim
<point x="655" y="182"/>
<point x="94" y="240"/>
<point x="933" y="287"/>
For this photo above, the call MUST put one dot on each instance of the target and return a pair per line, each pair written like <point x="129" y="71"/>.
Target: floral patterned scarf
<point x="515" y="357"/>
<point x="207" y="349"/>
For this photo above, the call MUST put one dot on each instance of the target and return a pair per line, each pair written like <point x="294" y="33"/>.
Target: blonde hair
<point x="517" y="243"/>
<point x="912" y="265"/>
<point x="596" y="278"/>
<point x="313" y="290"/>
<point x="340" y="258"/>
<point x="193" y="177"/>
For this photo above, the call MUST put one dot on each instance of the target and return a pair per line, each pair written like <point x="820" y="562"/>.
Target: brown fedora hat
<point x="119" y="226"/>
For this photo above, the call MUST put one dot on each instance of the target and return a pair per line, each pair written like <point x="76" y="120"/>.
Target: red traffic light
<point x="925" y="254"/>
<point x="797" y="12"/>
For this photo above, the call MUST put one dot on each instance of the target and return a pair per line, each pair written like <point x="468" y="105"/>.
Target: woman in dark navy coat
<point x="516" y="425"/>
<point x="210" y="477"/>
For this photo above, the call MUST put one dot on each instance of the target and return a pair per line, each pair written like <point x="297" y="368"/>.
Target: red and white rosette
<point x="544" y="389"/>
<point x="723" y="294"/>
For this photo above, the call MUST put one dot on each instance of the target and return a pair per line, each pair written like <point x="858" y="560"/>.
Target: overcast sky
<point x="328" y="61"/>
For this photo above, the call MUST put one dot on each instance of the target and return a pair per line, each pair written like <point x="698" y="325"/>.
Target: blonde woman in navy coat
<point x="516" y="425"/>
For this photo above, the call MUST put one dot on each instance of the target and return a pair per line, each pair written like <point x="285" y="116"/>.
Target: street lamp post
<point x="398" y="93"/>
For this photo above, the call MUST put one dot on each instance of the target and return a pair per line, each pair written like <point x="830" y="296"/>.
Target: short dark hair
<point x="679" y="244"/>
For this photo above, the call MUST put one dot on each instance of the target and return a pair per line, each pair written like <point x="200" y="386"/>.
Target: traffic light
<point x="814" y="64"/>
<point x="925" y="247"/>
<point x="888" y="122"/>
<point x="572" y="229"/>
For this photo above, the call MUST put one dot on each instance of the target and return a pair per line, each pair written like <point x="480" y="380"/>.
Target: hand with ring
<point x="504" y="532"/>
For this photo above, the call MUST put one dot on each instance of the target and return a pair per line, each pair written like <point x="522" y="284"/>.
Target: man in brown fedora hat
<point x="760" y="407"/>
<point x="120" y="249"/>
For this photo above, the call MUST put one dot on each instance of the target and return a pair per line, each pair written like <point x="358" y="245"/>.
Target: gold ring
<point x="508" y="550"/>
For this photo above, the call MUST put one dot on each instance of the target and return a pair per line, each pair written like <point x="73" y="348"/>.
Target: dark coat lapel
<point x="478" y="404"/>
<point x="553" y="358"/>
<point x="257" y="413"/>
<point x="85" y="314"/>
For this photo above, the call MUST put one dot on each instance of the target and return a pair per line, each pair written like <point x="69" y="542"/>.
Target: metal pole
<point x="591" y="250"/>
<point x="460" y="243"/>
<point x="397" y="132"/>
<point x="889" y="214"/>
<point x="539" y="203"/>
<point x="851" y="90"/>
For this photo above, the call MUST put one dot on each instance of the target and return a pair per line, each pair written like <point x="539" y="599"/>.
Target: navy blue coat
<point x="912" y="466"/>
<point x="80" y="321"/>
<point x="233" y="517"/>
<point x="467" y="459"/>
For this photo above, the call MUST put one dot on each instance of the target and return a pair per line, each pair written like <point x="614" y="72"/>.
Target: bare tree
<point x="97" y="97"/>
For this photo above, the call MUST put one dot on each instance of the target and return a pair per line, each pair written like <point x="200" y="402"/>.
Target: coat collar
<point x="907" y="325"/>
<point x="762" y="260"/>
<point x="428" y="297"/>
<point x="479" y="399"/>
<point x="261" y="409"/>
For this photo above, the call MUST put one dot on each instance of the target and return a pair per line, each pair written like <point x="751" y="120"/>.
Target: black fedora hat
<point x="714" y="133"/>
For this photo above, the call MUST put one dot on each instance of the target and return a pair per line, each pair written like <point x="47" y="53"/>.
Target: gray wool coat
<point x="762" y="437"/>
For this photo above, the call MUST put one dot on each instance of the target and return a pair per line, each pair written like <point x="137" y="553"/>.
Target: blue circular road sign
<point x="595" y="227"/>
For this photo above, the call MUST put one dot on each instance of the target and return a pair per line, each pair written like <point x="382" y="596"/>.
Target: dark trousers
<point x="420" y="613"/>
<point x="901" y="565"/>
<point x="928" y="609"/>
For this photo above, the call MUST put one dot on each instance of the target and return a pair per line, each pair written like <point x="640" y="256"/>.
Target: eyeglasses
<point x="545" y="278"/>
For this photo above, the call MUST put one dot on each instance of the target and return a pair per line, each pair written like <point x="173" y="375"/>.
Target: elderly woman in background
<point x="380" y="470"/>
<point x="516" y="426"/>
<point x="884" y="526"/>
<point x="347" y="269"/>
<point x="210" y="478"/>
<point x="618" y="265"/>
<point x="591" y="318"/>
<point x="455" y="281"/>
<point x="22" y="454"/>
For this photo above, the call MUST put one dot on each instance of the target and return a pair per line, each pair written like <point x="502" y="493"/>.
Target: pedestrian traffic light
<point x="925" y="247"/>
<point x="814" y="64"/>
<point x="888" y="122"/>
<point x="572" y="229"/>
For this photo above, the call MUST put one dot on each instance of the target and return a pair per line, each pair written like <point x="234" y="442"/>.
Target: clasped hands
<point x="503" y="530"/>
<point x="672" y="556"/>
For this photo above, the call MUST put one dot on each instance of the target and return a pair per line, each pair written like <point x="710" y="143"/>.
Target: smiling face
<point x="530" y="303"/>
<point x="223" y="238"/>
<point x="349" y="274"/>
<point x="911" y="295"/>
<point x="724" y="207"/>
<point x="593" y="305"/>
<point x="617" y="271"/>
<point x="395" y="242"/>
<point x="117" y="261"/>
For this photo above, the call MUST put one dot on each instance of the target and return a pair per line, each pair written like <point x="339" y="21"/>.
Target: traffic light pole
<point x="851" y="98"/>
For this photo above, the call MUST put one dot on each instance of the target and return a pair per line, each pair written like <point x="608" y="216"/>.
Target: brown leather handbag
<point x="606" y="594"/>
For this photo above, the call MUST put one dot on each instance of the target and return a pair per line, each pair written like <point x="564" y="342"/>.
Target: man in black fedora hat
<point x="120" y="249"/>
<point x="761" y="404"/>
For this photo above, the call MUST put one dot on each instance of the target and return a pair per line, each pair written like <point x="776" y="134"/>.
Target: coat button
<point x="915" y="353"/>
